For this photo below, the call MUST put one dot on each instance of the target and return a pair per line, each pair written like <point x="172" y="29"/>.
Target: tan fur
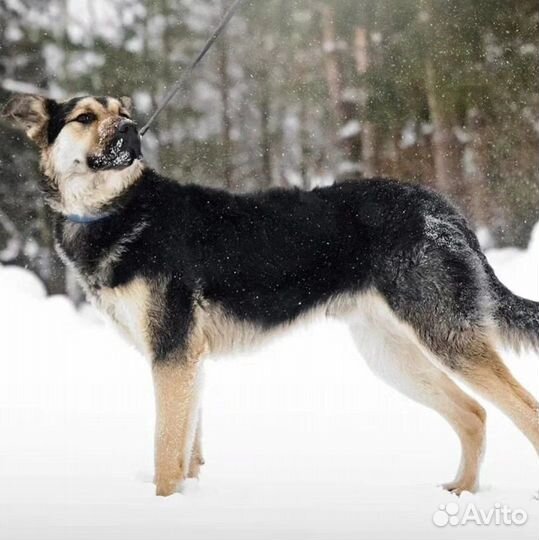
<point x="226" y="334"/>
<point x="487" y="374"/>
<point x="394" y="353"/>
<point x="83" y="191"/>
<point x="133" y="306"/>
<point x="128" y="307"/>
<point x="28" y="111"/>
<point x="176" y="386"/>
<point x="177" y="381"/>
<point x="197" y="459"/>
<point x="401" y="359"/>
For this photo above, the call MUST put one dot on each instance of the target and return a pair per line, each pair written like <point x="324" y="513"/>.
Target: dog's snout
<point x="128" y="137"/>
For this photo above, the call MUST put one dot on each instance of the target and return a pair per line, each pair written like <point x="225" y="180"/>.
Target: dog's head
<point x="89" y="146"/>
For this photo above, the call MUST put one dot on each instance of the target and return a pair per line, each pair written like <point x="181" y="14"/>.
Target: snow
<point x="349" y="168"/>
<point x="301" y="440"/>
<point x="12" y="85"/>
<point x="351" y="129"/>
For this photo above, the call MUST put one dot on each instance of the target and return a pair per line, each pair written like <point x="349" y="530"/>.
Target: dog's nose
<point x="127" y="126"/>
<point x="129" y="138"/>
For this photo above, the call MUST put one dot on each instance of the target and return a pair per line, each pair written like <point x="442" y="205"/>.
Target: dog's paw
<point x="194" y="467"/>
<point x="167" y="487"/>
<point x="458" y="487"/>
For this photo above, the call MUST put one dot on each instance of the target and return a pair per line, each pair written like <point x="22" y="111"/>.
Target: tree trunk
<point x="345" y="110"/>
<point x="446" y="148"/>
<point x="369" y="139"/>
<point x="226" y="123"/>
<point x="153" y="88"/>
<point x="481" y="203"/>
<point x="304" y="145"/>
<point x="333" y="62"/>
<point x="265" y="133"/>
<point x="370" y="149"/>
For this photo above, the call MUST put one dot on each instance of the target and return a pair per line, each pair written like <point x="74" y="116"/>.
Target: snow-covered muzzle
<point x="119" y="145"/>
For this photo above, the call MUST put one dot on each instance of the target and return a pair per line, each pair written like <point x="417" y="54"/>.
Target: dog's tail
<point x="517" y="318"/>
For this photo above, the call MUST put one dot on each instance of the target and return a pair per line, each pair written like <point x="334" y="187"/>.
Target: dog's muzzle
<point x="122" y="150"/>
<point x="129" y="137"/>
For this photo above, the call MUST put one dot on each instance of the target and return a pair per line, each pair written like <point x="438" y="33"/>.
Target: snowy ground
<point x="301" y="441"/>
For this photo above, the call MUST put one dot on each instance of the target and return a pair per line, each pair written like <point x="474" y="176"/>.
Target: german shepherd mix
<point x="186" y="271"/>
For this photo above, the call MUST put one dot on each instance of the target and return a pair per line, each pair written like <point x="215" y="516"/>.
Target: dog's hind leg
<point x="392" y="354"/>
<point x="484" y="371"/>
<point x="197" y="459"/>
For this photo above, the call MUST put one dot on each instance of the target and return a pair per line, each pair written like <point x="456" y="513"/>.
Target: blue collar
<point x="76" y="218"/>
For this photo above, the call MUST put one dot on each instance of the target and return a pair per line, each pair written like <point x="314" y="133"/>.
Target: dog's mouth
<point x="119" y="154"/>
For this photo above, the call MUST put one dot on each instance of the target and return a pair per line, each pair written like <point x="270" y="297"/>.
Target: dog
<point x="186" y="271"/>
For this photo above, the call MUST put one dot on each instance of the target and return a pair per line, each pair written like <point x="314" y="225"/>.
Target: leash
<point x="185" y="74"/>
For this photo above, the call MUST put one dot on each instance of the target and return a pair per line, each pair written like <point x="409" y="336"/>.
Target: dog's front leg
<point x="176" y="384"/>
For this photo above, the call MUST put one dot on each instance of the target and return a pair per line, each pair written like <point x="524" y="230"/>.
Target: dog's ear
<point x="127" y="103"/>
<point x="31" y="113"/>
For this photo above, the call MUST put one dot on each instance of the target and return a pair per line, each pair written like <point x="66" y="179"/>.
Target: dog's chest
<point x="128" y="307"/>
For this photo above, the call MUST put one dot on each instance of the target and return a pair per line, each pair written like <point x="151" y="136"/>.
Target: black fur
<point x="267" y="258"/>
<point x="58" y="112"/>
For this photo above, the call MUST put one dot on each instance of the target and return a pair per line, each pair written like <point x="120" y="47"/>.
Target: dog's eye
<point x="85" y="118"/>
<point x="125" y="115"/>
